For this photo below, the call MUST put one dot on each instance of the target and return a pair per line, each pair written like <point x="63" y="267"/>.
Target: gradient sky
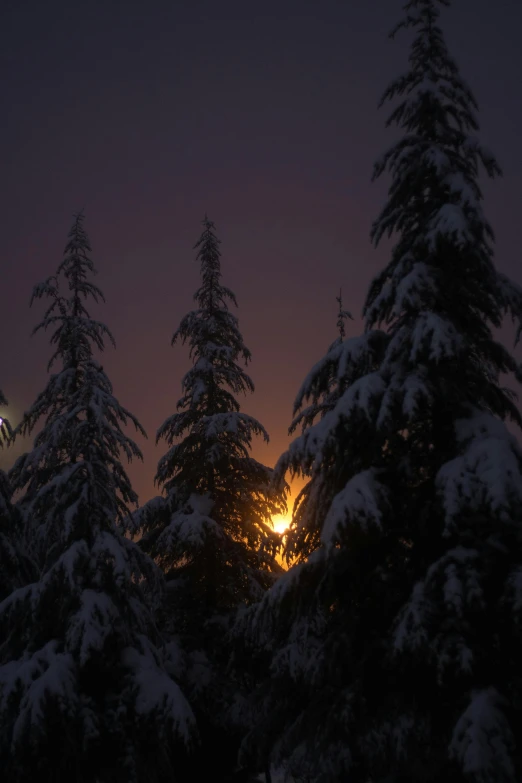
<point x="148" y="114"/>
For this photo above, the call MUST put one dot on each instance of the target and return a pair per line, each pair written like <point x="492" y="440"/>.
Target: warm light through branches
<point x="281" y="523"/>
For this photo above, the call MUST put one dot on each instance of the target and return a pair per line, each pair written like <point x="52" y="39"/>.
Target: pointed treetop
<point x="208" y="234"/>
<point x="435" y="76"/>
<point x="79" y="396"/>
<point x="75" y="332"/>
<point x="77" y="236"/>
<point x="211" y="296"/>
<point x="427" y="11"/>
<point x="435" y="196"/>
<point x="77" y="265"/>
<point x="342" y="315"/>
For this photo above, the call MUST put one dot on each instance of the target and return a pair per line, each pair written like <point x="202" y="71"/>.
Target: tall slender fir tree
<point x="84" y="693"/>
<point x="211" y="530"/>
<point x="395" y="647"/>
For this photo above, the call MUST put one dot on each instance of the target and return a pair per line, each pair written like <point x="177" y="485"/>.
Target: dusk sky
<point x="265" y="116"/>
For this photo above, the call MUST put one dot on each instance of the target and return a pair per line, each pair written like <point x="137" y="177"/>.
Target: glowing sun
<point x="281" y="523"/>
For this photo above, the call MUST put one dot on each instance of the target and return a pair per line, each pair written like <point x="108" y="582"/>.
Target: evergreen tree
<point x="84" y="693"/>
<point x="395" y="646"/>
<point x="211" y="530"/>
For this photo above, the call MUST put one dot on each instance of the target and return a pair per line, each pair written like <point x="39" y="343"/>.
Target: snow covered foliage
<point x="84" y="690"/>
<point x="325" y="382"/>
<point x="394" y="647"/>
<point x="345" y="362"/>
<point x="211" y="530"/>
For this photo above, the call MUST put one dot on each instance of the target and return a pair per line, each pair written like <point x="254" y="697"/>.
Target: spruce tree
<point x="211" y="529"/>
<point x="395" y="646"/>
<point x="84" y="693"/>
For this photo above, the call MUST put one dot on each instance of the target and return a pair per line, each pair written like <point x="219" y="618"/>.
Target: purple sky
<point x="264" y="115"/>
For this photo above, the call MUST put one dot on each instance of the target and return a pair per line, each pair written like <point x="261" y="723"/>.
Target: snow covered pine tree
<point x="396" y="645"/>
<point x="84" y="695"/>
<point x="211" y="530"/>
